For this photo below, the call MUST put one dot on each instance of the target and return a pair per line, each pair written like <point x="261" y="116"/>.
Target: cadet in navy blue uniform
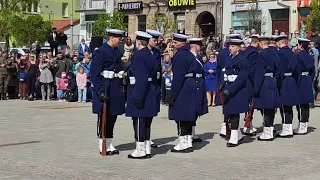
<point x="224" y="53"/>
<point x="141" y="103"/>
<point x="266" y="93"/>
<point x="106" y="73"/>
<point x="307" y="68"/>
<point x="251" y="53"/>
<point x="273" y="44"/>
<point x="234" y="90"/>
<point x="157" y="54"/>
<point x="188" y="97"/>
<point x="289" y="86"/>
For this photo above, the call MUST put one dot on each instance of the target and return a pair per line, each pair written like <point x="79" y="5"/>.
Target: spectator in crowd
<point x="294" y="40"/>
<point x="128" y="48"/>
<point x="62" y="87"/>
<point x="161" y="45"/>
<point x="75" y="65"/>
<point x="243" y="47"/>
<point x="46" y="79"/>
<point x="82" y="48"/>
<point x="253" y="31"/>
<point x="276" y="32"/>
<point x="52" y="40"/>
<point x="210" y="68"/>
<point x="60" y="65"/>
<point x="62" y="41"/>
<point x="287" y="41"/>
<point x="231" y="31"/>
<point x="247" y="39"/>
<point x="81" y="79"/>
<point x="72" y="92"/>
<point x="315" y="53"/>
<point x="22" y="67"/>
<point x="31" y="77"/>
<point x="315" y="38"/>
<point x="168" y="82"/>
<point x="204" y="59"/>
<point x="166" y="67"/>
<point x="86" y="64"/>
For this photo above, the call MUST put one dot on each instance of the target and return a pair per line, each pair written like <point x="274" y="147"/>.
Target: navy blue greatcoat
<point x="224" y="53"/>
<point x="251" y="53"/>
<point x="289" y="87"/>
<point x="238" y="100"/>
<point x="267" y="62"/>
<point x="307" y="69"/>
<point x="107" y="58"/>
<point x="157" y="55"/>
<point x="143" y="66"/>
<point x="188" y="92"/>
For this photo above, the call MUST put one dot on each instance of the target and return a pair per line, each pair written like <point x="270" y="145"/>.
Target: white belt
<point x="223" y="69"/>
<point x="133" y="80"/>
<point x="192" y="75"/>
<point x="158" y="75"/>
<point x="112" y="74"/>
<point x="287" y="74"/>
<point x="268" y="74"/>
<point x="305" y="73"/>
<point x="229" y="78"/>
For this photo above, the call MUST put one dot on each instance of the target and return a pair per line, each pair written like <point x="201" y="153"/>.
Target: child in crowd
<point x="168" y="81"/>
<point x="82" y="85"/>
<point x="62" y="86"/>
<point x="166" y="67"/>
<point x="72" y="94"/>
<point x="22" y="66"/>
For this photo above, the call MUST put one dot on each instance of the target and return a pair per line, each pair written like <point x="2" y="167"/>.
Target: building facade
<point x="282" y="15"/>
<point x="89" y="12"/>
<point x="199" y="18"/>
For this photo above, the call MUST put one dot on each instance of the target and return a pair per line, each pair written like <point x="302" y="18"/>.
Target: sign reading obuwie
<point x="182" y="3"/>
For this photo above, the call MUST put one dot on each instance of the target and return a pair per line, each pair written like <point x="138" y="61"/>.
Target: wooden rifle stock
<point x="103" y="128"/>
<point x="247" y="123"/>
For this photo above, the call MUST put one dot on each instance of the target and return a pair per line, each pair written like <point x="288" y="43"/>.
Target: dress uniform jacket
<point x="307" y="69"/>
<point x="224" y="53"/>
<point x="143" y="67"/>
<point x="266" y="75"/>
<point x="157" y="54"/>
<point x="237" y="68"/>
<point x="251" y="53"/>
<point x="289" y="65"/>
<point x="188" y="92"/>
<point x="107" y="59"/>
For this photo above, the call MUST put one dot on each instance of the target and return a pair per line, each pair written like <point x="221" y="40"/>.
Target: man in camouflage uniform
<point x="4" y="75"/>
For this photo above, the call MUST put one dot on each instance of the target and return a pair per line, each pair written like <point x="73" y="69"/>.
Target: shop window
<point x="142" y="22"/>
<point x="126" y="21"/>
<point x="89" y="30"/>
<point x="180" y="20"/>
<point x="279" y="14"/>
<point x="304" y="11"/>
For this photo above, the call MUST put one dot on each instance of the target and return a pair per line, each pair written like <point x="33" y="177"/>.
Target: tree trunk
<point x="7" y="42"/>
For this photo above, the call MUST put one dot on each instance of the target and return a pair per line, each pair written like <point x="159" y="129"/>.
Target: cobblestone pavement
<point x="52" y="140"/>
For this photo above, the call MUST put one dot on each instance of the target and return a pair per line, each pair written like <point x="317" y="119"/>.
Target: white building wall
<point x="227" y="17"/>
<point x="76" y="35"/>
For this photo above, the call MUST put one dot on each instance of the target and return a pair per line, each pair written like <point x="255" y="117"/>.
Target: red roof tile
<point x="64" y="24"/>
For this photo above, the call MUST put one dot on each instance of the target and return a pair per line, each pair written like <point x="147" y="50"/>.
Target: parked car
<point x="21" y="51"/>
<point x="45" y="49"/>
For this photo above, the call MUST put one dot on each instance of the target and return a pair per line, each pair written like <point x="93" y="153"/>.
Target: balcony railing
<point x="90" y="5"/>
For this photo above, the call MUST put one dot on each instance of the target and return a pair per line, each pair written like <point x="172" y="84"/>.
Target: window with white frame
<point x="64" y="9"/>
<point x="33" y="9"/>
<point x="89" y="31"/>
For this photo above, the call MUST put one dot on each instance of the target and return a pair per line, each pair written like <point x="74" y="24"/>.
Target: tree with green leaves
<point x="162" y="23"/>
<point x="114" y="20"/>
<point x="9" y="9"/>
<point x="27" y="30"/>
<point x="313" y="21"/>
<point x="255" y="19"/>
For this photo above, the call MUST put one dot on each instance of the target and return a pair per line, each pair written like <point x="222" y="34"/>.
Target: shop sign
<point x="182" y="3"/>
<point x="245" y="7"/>
<point x="129" y="6"/>
<point x="244" y="1"/>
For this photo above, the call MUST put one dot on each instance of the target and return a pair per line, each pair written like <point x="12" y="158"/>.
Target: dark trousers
<point x="286" y="114"/>
<point x="142" y="128"/>
<point x="54" y="47"/>
<point x="4" y="82"/>
<point x="184" y="127"/>
<point x="111" y="121"/>
<point x="168" y="94"/>
<point x="31" y="84"/>
<point x="303" y="112"/>
<point x="163" y="92"/>
<point x="233" y="119"/>
<point x="268" y="117"/>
